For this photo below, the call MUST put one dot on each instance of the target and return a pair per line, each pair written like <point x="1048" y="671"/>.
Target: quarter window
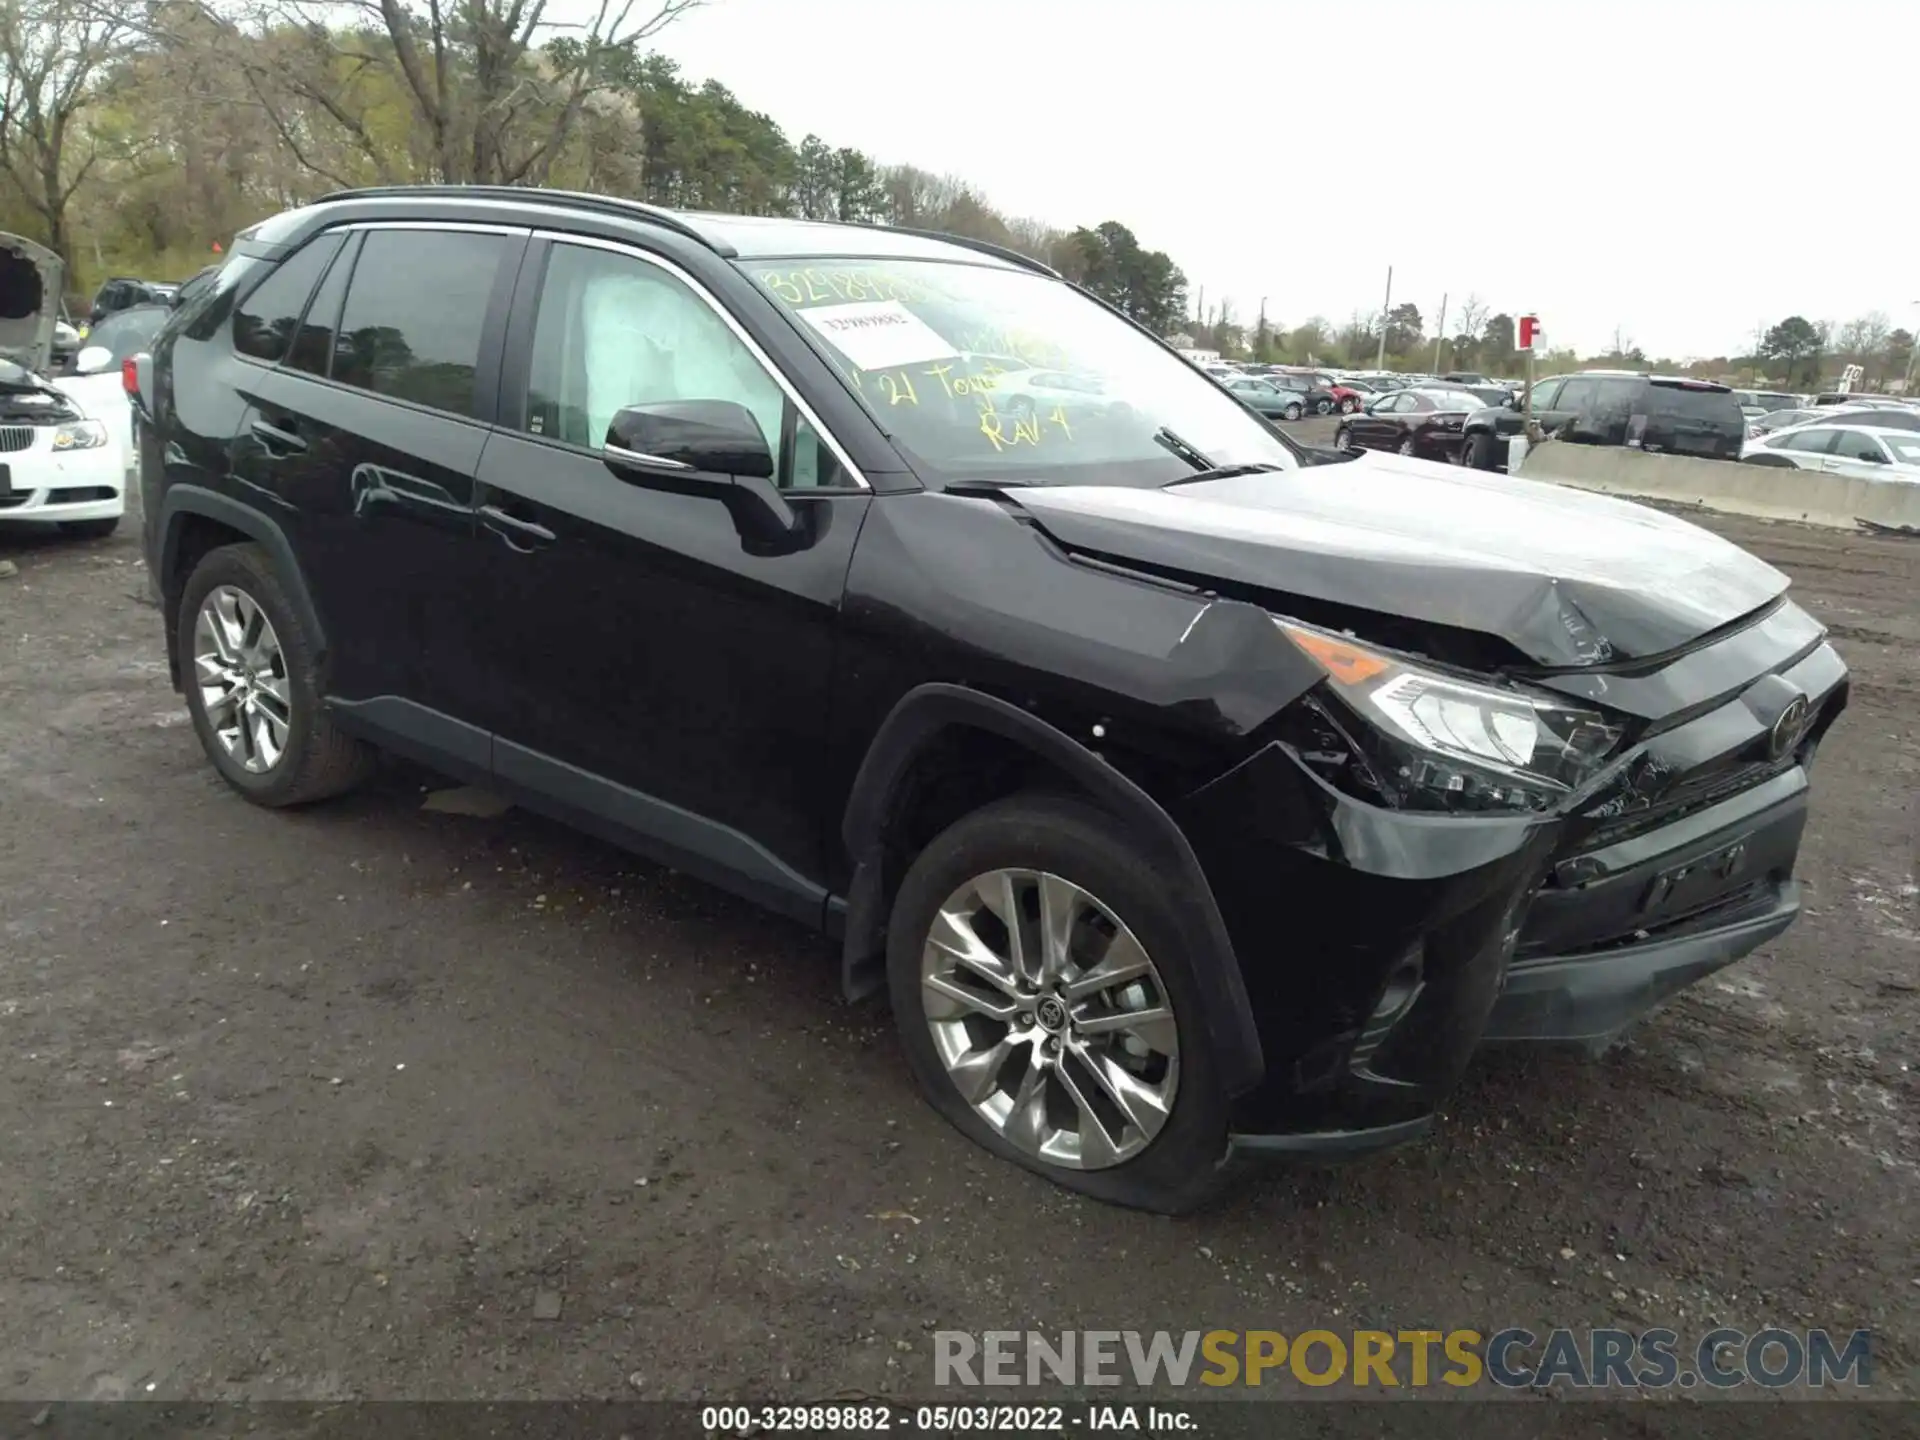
<point x="415" y="312"/>
<point x="263" y="324"/>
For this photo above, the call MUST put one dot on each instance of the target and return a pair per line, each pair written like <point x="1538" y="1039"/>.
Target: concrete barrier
<point x="1811" y="497"/>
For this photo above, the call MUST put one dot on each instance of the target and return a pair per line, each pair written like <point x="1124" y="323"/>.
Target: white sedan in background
<point x="97" y="384"/>
<point x="1863" y="451"/>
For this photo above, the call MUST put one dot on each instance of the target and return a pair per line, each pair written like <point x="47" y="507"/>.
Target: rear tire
<point x="1343" y="439"/>
<point x="1405" y="447"/>
<point x="313" y="758"/>
<point x="90" y="529"/>
<point x="1349" y="405"/>
<point x="1323" y="407"/>
<point x="1086" y="1144"/>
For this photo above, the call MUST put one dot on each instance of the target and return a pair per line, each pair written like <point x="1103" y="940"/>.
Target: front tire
<point x="253" y="688"/>
<point x="1070" y="1041"/>
<point x="1343" y="439"/>
<point x="1477" y="453"/>
<point x="1405" y="447"/>
<point x="1292" y="412"/>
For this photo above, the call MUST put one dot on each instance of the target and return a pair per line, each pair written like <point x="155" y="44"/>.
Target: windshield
<point x="983" y="373"/>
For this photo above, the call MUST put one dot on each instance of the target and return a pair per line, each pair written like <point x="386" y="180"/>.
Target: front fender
<point x="918" y="720"/>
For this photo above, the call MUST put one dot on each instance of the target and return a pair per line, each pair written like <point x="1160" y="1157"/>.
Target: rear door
<point x="367" y="429"/>
<point x="1808" y="449"/>
<point x="1860" y="455"/>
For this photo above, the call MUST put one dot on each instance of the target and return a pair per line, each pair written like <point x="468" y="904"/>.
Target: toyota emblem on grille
<point x="1790" y="725"/>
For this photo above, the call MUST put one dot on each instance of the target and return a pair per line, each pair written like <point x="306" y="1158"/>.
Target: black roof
<point x="746" y="237"/>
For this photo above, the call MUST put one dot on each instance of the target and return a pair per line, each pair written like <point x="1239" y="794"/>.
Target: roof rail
<point x="986" y="247"/>
<point x="535" y="194"/>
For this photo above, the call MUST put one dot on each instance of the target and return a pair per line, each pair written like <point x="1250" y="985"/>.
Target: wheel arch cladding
<point x="930" y="715"/>
<point x="193" y="521"/>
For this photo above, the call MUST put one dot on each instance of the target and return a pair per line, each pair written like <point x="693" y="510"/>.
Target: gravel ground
<point x="378" y="1101"/>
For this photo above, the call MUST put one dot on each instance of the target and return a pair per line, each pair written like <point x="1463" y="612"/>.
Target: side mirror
<point x="92" y="360"/>
<point x="710" y="448"/>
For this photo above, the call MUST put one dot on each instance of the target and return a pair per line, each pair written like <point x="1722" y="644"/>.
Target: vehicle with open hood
<point x="58" y="463"/>
<point x="1189" y="795"/>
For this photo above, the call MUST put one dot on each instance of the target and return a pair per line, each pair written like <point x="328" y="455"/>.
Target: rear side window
<point x="416" y="309"/>
<point x="313" y="345"/>
<point x="263" y="324"/>
<point x="1810" y="442"/>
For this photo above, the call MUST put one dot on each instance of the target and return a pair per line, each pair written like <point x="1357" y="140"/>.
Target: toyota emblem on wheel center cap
<point x="1052" y="1015"/>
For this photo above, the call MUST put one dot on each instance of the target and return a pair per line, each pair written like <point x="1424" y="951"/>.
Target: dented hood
<point x="30" y="277"/>
<point x="1566" y="576"/>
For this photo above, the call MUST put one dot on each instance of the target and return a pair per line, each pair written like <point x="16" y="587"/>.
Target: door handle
<point x="276" y="438"/>
<point x="521" y="535"/>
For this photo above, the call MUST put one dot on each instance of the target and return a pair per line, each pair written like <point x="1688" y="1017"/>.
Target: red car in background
<point x="1324" y="394"/>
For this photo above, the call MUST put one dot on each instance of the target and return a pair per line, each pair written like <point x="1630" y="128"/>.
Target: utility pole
<point x="1260" y="333"/>
<point x="1440" y="338"/>
<point x="1202" y="306"/>
<point x="1913" y="350"/>
<point x="1380" y="362"/>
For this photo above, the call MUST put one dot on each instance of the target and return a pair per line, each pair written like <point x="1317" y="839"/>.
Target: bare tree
<point x="52" y="53"/>
<point x="496" y="88"/>
<point x="1473" y="316"/>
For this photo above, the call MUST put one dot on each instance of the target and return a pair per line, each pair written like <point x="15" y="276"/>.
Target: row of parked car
<point x="66" y="424"/>
<point x="1470" y="419"/>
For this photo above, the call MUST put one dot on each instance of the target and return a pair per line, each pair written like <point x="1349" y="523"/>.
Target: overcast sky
<point x="1661" y="167"/>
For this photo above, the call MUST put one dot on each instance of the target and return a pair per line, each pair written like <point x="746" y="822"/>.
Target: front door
<point x="659" y="678"/>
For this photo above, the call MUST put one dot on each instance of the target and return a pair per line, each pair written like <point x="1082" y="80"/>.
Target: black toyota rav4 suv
<point x="1187" y="793"/>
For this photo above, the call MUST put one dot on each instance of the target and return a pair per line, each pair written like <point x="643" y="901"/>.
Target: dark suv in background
<point x="1663" y="413"/>
<point x="1182" y="802"/>
<point x="123" y="293"/>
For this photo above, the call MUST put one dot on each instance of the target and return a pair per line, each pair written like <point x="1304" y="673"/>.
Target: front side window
<point x="1547" y="394"/>
<point x="983" y="371"/>
<point x="415" y="312"/>
<point x="614" y="330"/>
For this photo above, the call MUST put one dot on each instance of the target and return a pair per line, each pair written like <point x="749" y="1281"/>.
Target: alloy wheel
<point x="1342" y="438"/>
<point x="241" y="672"/>
<point x="1050" y="1018"/>
<point x="1406" y="446"/>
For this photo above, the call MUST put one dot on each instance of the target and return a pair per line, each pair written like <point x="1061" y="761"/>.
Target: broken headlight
<point x="1434" y="741"/>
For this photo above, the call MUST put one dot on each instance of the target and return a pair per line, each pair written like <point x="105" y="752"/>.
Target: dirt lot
<point x="378" y="1101"/>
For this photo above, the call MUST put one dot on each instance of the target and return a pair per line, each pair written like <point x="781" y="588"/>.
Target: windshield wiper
<point x="1170" y="441"/>
<point x="1205" y="468"/>
<point x="1223" y="472"/>
<point x="990" y="485"/>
